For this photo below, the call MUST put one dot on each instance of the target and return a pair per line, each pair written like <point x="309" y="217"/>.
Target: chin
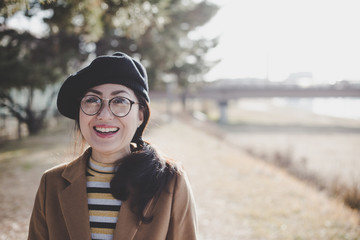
<point x="108" y="149"/>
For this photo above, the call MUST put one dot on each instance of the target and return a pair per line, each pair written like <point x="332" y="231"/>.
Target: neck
<point x="108" y="157"/>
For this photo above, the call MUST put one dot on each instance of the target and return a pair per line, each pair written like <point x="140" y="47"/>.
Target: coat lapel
<point x="73" y="199"/>
<point x="127" y="226"/>
<point x="73" y="202"/>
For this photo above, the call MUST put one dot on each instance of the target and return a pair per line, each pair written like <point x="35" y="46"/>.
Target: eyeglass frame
<point x="109" y="102"/>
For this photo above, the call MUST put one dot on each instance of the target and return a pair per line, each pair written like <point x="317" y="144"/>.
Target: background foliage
<point x="157" y="32"/>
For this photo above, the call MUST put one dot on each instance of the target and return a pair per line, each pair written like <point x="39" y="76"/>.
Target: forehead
<point x="111" y="89"/>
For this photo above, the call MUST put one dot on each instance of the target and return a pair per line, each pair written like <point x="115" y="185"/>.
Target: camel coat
<point x="61" y="211"/>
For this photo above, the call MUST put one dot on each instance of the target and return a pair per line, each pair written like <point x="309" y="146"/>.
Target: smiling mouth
<point x="106" y="130"/>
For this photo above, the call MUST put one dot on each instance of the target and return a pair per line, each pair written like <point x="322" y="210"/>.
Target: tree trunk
<point x="184" y="98"/>
<point x="19" y="130"/>
<point x="33" y="119"/>
<point x="34" y="123"/>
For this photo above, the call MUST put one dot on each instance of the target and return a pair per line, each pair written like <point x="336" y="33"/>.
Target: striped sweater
<point x="103" y="207"/>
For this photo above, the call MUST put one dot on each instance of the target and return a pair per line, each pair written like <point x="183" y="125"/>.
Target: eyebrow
<point x="112" y="93"/>
<point x="119" y="91"/>
<point x="94" y="91"/>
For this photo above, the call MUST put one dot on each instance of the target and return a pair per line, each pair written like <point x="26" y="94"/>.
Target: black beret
<point x="118" y="68"/>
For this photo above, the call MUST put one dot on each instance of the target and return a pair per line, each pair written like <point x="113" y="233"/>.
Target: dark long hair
<point x="143" y="174"/>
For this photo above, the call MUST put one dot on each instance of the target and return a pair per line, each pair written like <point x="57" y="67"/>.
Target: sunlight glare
<point x="273" y="39"/>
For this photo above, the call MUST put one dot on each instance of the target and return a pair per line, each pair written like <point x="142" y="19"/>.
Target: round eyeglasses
<point x="119" y="106"/>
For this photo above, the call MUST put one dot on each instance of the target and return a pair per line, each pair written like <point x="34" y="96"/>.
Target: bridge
<point x="223" y="93"/>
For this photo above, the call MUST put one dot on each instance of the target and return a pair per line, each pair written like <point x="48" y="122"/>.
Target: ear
<point x="140" y="117"/>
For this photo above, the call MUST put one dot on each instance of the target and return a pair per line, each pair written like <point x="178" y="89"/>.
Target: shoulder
<point x="177" y="194"/>
<point x="68" y="170"/>
<point x="58" y="169"/>
<point x="183" y="208"/>
<point x="181" y="184"/>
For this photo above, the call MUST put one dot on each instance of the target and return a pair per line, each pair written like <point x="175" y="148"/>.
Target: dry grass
<point x="349" y="193"/>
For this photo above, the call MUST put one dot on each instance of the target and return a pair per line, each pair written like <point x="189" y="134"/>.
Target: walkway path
<point x="238" y="197"/>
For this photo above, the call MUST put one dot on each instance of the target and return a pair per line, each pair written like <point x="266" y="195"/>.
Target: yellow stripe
<point x="103" y="230"/>
<point x="103" y="213"/>
<point x="99" y="175"/>
<point x="101" y="195"/>
<point x="97" y="179"/>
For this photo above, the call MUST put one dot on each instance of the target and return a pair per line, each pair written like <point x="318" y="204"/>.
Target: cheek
<point x="133" y="122"/>
<point x="83" y="122"/>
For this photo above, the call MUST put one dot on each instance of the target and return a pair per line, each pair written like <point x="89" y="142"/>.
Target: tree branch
<point x="13" y="112"/>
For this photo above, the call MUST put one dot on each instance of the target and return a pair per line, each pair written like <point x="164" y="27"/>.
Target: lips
<point x="106" y="131"/>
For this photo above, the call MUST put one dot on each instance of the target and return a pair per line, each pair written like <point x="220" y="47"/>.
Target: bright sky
<point x="275" y="38"/>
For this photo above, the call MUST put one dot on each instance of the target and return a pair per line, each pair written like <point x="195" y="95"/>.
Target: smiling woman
<point x="100" y="123"/>
<point x="119" y="188"/>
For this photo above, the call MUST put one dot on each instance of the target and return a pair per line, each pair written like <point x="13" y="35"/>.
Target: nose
<point x="105" y="112"/>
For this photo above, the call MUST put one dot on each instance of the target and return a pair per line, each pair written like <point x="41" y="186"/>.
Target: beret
<point x="118" y="68"/>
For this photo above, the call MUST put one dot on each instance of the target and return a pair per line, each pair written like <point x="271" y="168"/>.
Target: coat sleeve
<point x="38" y="228"/>
<point x="183" y="222"/>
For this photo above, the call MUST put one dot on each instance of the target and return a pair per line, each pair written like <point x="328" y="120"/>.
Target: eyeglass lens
<point x="119" y="106"/>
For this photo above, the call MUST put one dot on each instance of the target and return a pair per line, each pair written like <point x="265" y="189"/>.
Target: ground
<point x="238" y="196"/>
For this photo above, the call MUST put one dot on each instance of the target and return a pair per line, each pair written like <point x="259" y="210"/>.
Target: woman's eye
<point x="119" y="100"/>
<point x="92" y="100"/>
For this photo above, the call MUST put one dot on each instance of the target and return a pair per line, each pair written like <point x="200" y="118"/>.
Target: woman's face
<point x="109" y="135"/>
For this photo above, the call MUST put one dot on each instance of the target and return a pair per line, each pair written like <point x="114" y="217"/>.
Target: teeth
<point x="106" y="130"/>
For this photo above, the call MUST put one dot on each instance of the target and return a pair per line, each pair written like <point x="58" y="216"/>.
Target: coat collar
<point x="73" y="202"/>
<point x="73" y="199"/>
<point x="72" y="171"/>
<point x="127" y="226"/>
